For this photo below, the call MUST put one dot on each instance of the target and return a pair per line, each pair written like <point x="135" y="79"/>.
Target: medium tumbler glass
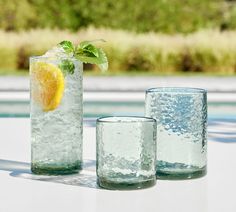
<point x="126" y="152"/>
<point x="181" y="115"/>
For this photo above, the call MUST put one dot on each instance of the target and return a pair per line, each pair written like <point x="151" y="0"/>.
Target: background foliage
<point x="201" y="52"/>
<point x="155" y="36"/>
<point x="168" y="16"/>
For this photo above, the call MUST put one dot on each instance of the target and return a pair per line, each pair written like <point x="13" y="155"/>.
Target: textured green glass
<point x="126" y="152"/>
<point x="56" y="135"/>
<point x="181" y="115"/>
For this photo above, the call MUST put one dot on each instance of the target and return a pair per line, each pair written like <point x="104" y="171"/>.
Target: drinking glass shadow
<point x="86" y="177"/>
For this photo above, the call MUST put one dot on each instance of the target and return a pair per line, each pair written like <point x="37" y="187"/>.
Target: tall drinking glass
<point x="56" y="115"/>
<point x="181" y="115"/>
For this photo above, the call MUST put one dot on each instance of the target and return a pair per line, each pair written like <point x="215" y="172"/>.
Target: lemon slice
<point x="47" y="85"/>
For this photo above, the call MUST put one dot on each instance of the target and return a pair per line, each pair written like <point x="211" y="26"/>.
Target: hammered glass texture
<point x="181" y="115"/>
<point x="56" y="135"/>
<point x="126" y="152"/>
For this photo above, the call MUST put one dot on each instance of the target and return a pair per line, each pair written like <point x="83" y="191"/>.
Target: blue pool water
<point x="221" y="115"/>
<point x="94" y="109"/>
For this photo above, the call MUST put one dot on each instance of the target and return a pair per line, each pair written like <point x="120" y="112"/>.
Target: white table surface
<point x="22" y="192"/>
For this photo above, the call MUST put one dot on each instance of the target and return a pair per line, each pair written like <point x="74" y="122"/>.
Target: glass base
<point x="55" y="170"/>
<point x="111" y="185"/>
<point x="178" y="171"/>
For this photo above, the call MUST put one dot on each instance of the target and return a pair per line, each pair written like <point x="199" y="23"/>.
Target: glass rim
<point x="118" y="119"/>
<point x="39" y="57"/>
<point x="183" y="90"/>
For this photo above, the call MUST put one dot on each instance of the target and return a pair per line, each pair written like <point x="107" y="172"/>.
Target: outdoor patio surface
<point x="220" y="89"/>
<point x="139" y="83"/>
<point x="23" y="192"/>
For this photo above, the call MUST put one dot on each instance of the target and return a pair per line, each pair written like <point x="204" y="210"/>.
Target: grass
<point x="208" y="52"/>
<point x="15" y="72"/>
<point x="153" y="73"/>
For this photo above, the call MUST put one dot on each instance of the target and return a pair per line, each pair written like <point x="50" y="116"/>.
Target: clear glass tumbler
<point x="126" y="152"/>
<point x="56" y="115"/>
<point x="181" y="115"/>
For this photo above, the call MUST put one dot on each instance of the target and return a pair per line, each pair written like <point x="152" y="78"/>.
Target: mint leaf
<point x="89" y="50"/>
<point x="85" y="52"/>
<point x="67" y="46"/>
<point x="85" y="43"/>
<point x="88" y="53"/>
<point x="67" y="66"/>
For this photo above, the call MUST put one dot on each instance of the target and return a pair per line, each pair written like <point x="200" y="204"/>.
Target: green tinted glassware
<point x="181" y="115"/>
<point x="126" y="152"/>
<point x="56" y="116"/>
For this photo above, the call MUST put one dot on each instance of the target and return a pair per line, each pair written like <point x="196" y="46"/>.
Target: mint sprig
<point x="87" y="49"/>
<point x="67" y="46"/>
<point x="86" y="52"/>
<point x="67" y="66"/>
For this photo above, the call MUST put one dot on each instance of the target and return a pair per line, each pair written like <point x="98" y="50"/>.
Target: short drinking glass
<point x="181" y="115"/>
<point x="126" y="152"/>
<point x="56" y="115"/>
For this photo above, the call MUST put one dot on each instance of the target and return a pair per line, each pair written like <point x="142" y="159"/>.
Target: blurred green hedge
<point x="168" y="16"/>
<point x="205" y="51"/>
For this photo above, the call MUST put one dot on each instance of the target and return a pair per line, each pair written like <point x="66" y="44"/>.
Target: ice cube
<point x="57" y="52"/>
